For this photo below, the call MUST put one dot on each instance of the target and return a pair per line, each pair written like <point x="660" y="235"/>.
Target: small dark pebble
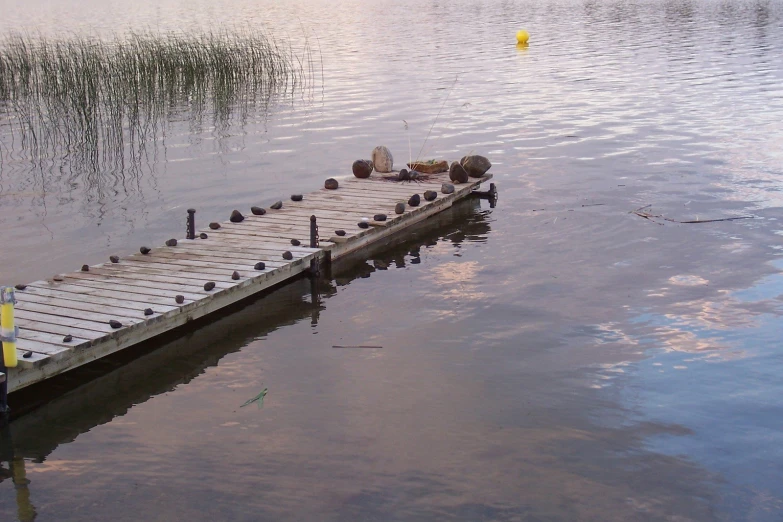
<point x="171" y="242"/>
<point x="20" y="287"/>
<point x="447" y="188"/>
<point x="414" y="200"/>
<point x="258" y="211"/>
<point x="209" y="286"/>
<point x="331" y="184"/>
<point x="214" y="226"/>
<point x="296" y="197"/>
<point x="57" y="278"/>
<point x="288" y="256"/>
<point x="235" y="275"/>
<point x="27" y="355"/>
<point x="236" y="217"/>
<point x="295" y="242"/>
<point x="114" y="259"/>
<point x="363" y="224"/>
<point x="340" y="232"/>
<point x="430" y="195"/>
<point x="404" y="175"/>
<point x="399" y="208"/>
<point x="260" y="265"/>
<point x="115" y="324"/>
<point x="379" y="217"/>
<point x="180" y="299"/>
<point x="277" y="205"/>
<point x="85" y="268"/>
<point x="68" y="338"/>
<point x="203" y="235"/>
<point x="145" y="250"/>
<point x="148" y="311"/>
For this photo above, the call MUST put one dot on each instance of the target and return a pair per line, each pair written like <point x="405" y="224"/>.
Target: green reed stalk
<point x="95" y="97"/>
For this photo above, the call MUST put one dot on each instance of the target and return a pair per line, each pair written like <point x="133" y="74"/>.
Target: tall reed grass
<point x="102" y="100"/>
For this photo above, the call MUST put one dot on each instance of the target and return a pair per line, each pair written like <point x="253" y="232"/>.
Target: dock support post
<point x="191" y="224"/>
<point x="4" y="411"/>
<point x="315" y="269"/>
<point x="491" y="195"/>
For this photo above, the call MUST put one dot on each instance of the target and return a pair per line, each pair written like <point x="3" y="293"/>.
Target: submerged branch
<point x="643" y="213"/>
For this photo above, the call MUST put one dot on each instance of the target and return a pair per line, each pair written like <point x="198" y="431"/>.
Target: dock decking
<point x="82" y="304"/>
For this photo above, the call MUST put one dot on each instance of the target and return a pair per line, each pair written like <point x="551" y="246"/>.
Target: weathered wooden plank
<point x="217" y="258"/>
<point x="249" y="237"/>
<point x="105" y="316"/>
<point x="380" y="191"/>
<point x="376" y="184"/>
<point x="334" y="215"/>
<point x="238" y="253"/>
<point x="216" y="270"/>
<point x="45" y="337"/>
<point x="350" y="199"/>
<point x="198" y="264"/>
<point x="142" y="269"/>
<point x="245" y="240"/>
<point x="58" y="329"/>
<point x="142" y="284"/>
<point x="62" y="330"/>
<point x="139" y="292"/>
<point x="334" y="224"/>
<point x="380" y="181"/>
<point x="259" y="243"/>
<point x="348" y="202"/>
<point x="352" y="210"/>
<point x="88" y="306"/>
<point x="64" y="321"/>
<point x="323" y="218"/>
<point x="171" y="281"/>
<point x="40" y="347"/>
<point x="270" y="244"/>
<point x="34" y="361"/>
<point x="275" y="232"/>
<point x="267" y="240"/>
<point x="99" y="296"/>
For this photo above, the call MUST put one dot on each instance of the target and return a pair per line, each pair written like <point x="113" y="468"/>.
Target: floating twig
<point x="359" y="346"/>
<point x="642" y="213"/>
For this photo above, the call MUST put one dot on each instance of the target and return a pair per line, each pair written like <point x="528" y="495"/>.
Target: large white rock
<point x="382" y="159"/>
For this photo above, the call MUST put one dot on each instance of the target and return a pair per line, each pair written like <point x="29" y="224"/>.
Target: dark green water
<point x="554" y="358"/>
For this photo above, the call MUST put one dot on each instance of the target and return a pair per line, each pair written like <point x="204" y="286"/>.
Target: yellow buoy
<point x="522" y="36"/>
<point x="7" y="325"/>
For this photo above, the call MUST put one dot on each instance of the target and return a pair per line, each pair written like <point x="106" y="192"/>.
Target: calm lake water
<point x="554" y="358"/>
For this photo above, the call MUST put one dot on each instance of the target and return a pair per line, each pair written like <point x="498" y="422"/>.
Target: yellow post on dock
<point x="7" y="327"/>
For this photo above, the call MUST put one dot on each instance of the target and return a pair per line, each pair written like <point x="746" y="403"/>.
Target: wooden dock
<point x="77" y="317"/>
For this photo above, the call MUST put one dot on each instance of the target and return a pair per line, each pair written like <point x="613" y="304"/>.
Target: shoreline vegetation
<point x="100" y="101"/>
